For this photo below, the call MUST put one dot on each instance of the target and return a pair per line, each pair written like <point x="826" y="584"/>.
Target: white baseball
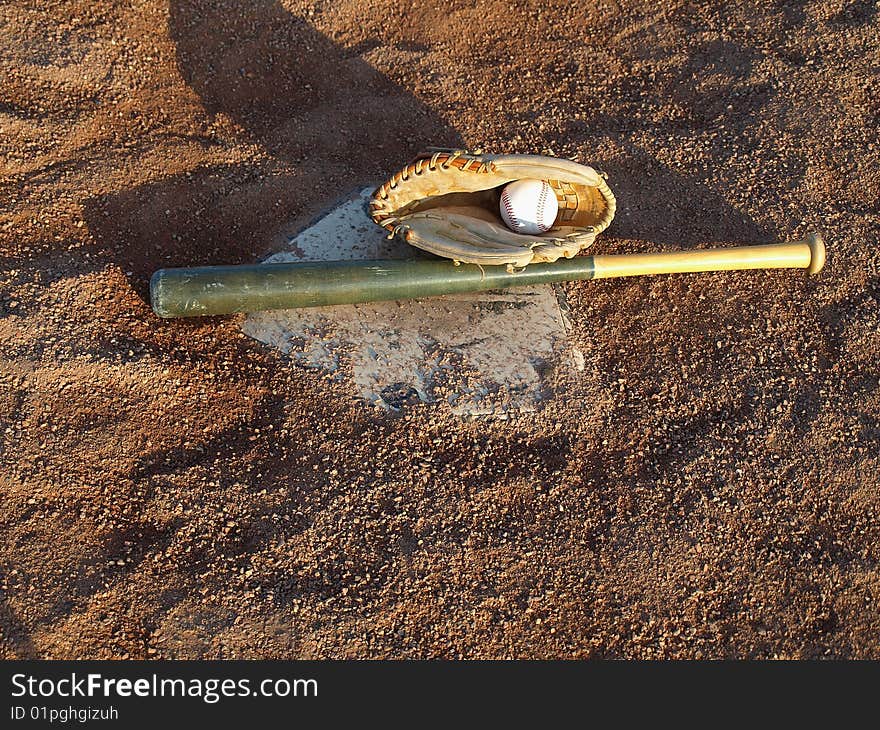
<point x="529" y="206"/>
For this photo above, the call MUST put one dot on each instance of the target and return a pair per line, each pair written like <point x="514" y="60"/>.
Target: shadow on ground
<point x="329" y="120"/>
<point x="657" y="205"/>
<point x="15" y="635"/>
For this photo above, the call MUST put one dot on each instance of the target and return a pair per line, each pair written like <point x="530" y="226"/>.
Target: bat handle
<point x="807" y="253"/>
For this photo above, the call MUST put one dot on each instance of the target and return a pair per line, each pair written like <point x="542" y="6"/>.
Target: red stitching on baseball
<point x="541" y="201"/>
<point x="505" y="198"/>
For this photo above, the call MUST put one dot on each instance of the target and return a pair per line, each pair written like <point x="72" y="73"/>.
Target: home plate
<point x="482" y="354"/>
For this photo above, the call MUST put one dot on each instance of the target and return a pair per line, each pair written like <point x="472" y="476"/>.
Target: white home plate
<point x="483" y="354"/>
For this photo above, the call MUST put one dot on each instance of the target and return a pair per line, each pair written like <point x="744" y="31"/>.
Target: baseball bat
<point x="211" y="290"/>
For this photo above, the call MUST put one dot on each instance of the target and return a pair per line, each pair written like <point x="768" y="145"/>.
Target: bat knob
<point x="817" y="250"/>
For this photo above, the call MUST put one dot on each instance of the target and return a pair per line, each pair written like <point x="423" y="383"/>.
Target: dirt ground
<point x="707" y="488"/>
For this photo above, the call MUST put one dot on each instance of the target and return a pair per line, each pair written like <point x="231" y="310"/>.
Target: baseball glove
<point x="446" y="202"/>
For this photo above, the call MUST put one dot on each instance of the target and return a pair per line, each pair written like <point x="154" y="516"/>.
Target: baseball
<point x="529" y="206"/>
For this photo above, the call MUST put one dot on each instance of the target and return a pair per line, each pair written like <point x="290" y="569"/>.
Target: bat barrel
<point x="212" y="290"/>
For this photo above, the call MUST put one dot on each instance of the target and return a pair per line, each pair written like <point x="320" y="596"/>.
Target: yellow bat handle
<point x="808" y="254"/>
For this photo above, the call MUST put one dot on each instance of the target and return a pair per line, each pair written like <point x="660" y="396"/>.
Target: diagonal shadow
<point x="297" y="92"/>
<point x="662" y="206"/>
<point x="15" y="634"/>
<point x="711" y="92"/>
<point x="328" y="119"/>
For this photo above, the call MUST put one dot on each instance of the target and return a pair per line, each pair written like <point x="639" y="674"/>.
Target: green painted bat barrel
<point x="209" y="290"/>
